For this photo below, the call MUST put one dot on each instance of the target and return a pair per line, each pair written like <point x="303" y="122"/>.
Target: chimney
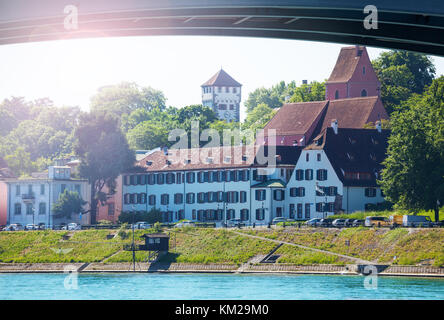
<point x="165" y="150"/>
<point x="334" y="125"/>
<point x="378" y="126"/>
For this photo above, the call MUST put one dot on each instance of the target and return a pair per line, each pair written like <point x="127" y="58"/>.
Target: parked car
<point x="313" y="222"/>
<point x="396" y="220"/>
<point x="14" y="227"/>
<point x="141" y="225"/>
<point x="357" y="223"/>
<point x="416" y="221"/>
<point x="41" y="226"/>
<point x="235" y="223"/>
<point x="72" y="226"/>
<point x="31" y="226"/>
<point x="339" y="223"/>
<point x="348" y="222"/>
<point x="278" y="219"/>
<point x="184" y="224"/>
<point x="326" y="222"/>
<point x="376" y="222"/>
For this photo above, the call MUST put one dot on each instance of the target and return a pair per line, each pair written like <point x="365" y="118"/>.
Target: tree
<point x="149" y="135"/>
<point x="69" y="202"/>
<point x="152" y="216"/>
<point x="19" y="162"/>
<point x="413" y="177"/>
<point x="258" y="117"/>
<point x="127" y="97"/>
<point x="402" y="73"/>
<point x="103" y="152"/>
<point x="314" y="91"/>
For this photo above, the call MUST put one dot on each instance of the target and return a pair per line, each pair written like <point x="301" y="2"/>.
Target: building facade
<point x="222" y="94"/>
<point x="30" y="201"/>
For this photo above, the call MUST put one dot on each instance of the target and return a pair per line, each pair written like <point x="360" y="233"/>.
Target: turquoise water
<point x="214" y="286"/>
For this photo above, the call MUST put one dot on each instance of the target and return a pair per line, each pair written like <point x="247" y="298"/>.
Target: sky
<point x="69" y="72"/>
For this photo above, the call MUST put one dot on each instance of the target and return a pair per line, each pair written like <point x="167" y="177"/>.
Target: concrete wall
<point x="355" y="199"/>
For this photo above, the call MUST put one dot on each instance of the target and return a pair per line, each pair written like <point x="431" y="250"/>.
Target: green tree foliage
<point x="69" y="202"/>
<point x="258" y="117"/>
<point x="402" y="73"/>
<point x="104" y="153"/>
<point x="314" y="91"/>
<point x="413" y="177"/>
<point x="126" y="97"/>
<point x="19" y="162"/>
<point x="149" y="135"/>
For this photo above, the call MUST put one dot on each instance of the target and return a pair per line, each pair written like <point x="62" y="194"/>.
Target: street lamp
<point x="132" y="246"/>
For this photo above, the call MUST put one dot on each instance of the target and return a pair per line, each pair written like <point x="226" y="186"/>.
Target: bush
<point x="157" y="227"/>
<point x="151" y="217"/>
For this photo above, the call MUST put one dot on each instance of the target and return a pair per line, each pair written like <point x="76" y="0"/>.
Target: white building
<point x="338" y="171"/>
<point x="211" y="191"/>
<point x="222" y="94"/>
<point x="31" y="200"/>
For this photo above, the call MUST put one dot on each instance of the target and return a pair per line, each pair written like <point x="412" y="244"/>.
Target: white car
<point x="72" y="226"/>
<point x="142" y="225"/>
<point x="13" y="227"/>
<point x="31" y="226"/>
<point x="184" y="224"/>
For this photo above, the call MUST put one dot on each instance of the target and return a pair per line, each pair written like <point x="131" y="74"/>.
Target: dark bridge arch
<point x="402" y="24"/>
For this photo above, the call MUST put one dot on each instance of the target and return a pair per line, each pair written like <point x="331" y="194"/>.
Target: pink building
<point x="113" y="207"/>
<point x="5" y="173"/>
<point x="353" y="76"/>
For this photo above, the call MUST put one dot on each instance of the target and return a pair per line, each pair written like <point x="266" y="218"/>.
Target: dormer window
<point x="244" y="158"/>
<point x="149" y="163"/>
<point x="352" y="141"/>
<point x="350" y="156"/>
<point x="227" y="159"/>
<point x="336" y="94"/>
<point x="374" y="141"/>
<point x="186" y="161"/>
<point x="209" y="160"/>
<point x="373" y="156"/>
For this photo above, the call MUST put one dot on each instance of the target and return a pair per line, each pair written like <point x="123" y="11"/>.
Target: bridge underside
<point x="422" y="32"/>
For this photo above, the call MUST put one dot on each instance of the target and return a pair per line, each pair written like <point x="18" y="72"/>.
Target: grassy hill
<point x="194" y="245"/>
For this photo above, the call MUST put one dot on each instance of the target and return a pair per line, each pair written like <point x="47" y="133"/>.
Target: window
<point x="160" y="178"/>
<point x="152" y="200"/>
<point x="190" y="198"/>
<point x="318" y="156"/>
<point x="200" y="177"/>
<point x="215" y="176"/>
<point x="151" y="179"/>
<point x="319" y="207"/>
<point x="178" y="178"/>
<point x="222" y="107"/>
<point x="178" y="198"/>
<point x="260" y="214"/>
<point x="42" y="208"/>
<point x="29" y="209"/>
<point x="201" y="197"/>
<point x="17" y="190"/>
<point x="126" y="198"/>
<point x="279" y="195"/>
<point x="363" y="70"/>
<point x="165" y="199"/>
<point x="291" y="210"/>
<point x="299" y="174"/>
<point x="297" y="192"/>
<point x="232" y="197"/>
<point x="307" y="211"/>
<point x="321" y="174"/>
<point x="244" y="215"/>
<point x="42" y="189"/>
<point x="234" y="90"/>
<point x="111" y="209"/>
<point x="336" y="94"/>
<point x="243" y="196"/>
<point x="170" y="178"/>
<point x="307" y="157"/>
<point x="193" y="214"/>
<point x="132" y="198"/>
<point x="260" y="195"/>
<point x="227" y="89"/>
<point x="364" y="93"/>
<point x="190" y="177"/>
<point x="219" y="89"/>
<point x="299" y="210"/>
<point x="370" y="192"/>
<point x="17" y="208"/>
<point x="181" y="214"/>
<point x="309" y="174"/>
<point x="231" y="214"/>
<point x="126" y="180"/>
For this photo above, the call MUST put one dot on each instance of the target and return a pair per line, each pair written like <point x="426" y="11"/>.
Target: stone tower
<point x="222" y="94"/>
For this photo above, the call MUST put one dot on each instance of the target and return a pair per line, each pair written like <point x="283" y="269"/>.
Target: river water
<point x="215" y="286"/>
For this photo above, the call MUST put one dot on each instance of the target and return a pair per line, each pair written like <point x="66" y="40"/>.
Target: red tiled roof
<point x="295" y="118"/>
<point x="222" y="79"/>
<point x="350" y="112"/>
<point x="345" y="65"/>
<point x="157" y="161"/>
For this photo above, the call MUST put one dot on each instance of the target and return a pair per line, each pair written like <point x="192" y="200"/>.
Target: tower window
<point x="364" y="93"/>
<point x="337" y="94"/>
<point x="234" y="90"/>
<point x="227" y="89"/>
<point x="363" y="70"/>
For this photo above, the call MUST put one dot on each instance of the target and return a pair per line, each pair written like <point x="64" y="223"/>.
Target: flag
<point x="302" y="140"/>
<point x="319" y="189"/>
